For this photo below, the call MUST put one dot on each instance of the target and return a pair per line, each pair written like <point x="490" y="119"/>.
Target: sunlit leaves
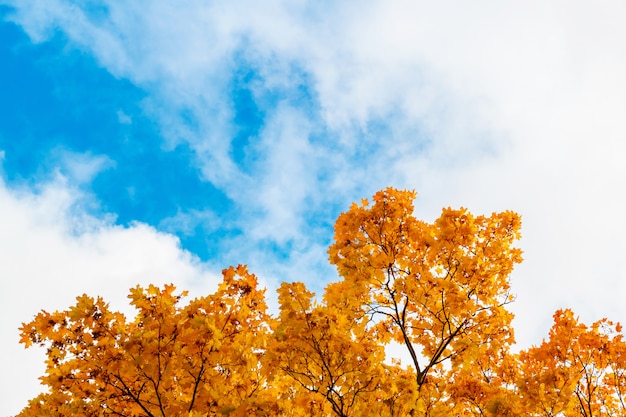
<point x="172" y="359"/>
<point x="440" y="290"/>
<point x="579" y="371"/>
<point x="326" y="352"/>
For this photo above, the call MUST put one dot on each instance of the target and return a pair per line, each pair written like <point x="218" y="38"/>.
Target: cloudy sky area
<point x="163" y="142"/>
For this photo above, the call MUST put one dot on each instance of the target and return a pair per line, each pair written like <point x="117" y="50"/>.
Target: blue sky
<point x="163" y="143"/>
<point x="65" y="108"/>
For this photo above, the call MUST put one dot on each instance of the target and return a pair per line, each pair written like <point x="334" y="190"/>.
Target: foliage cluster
<point x="439" y="290"/>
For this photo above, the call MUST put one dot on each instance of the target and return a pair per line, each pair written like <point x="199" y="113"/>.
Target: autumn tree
<point x="171" y="360"/>
<point x="579" y="371"/>
<point x="439" y="290"/>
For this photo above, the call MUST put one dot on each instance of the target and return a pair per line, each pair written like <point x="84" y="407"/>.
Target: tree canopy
<point x="440" y="290"/>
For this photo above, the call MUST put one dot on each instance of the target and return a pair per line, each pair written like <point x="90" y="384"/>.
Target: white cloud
<point x="288" y="158"/>
<point x="123" y="118"/>
<point x="185" y="222"/>
<point x="80" y="168"/>
<point x="491" y="106"/>
<point x="45" y="264"/>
